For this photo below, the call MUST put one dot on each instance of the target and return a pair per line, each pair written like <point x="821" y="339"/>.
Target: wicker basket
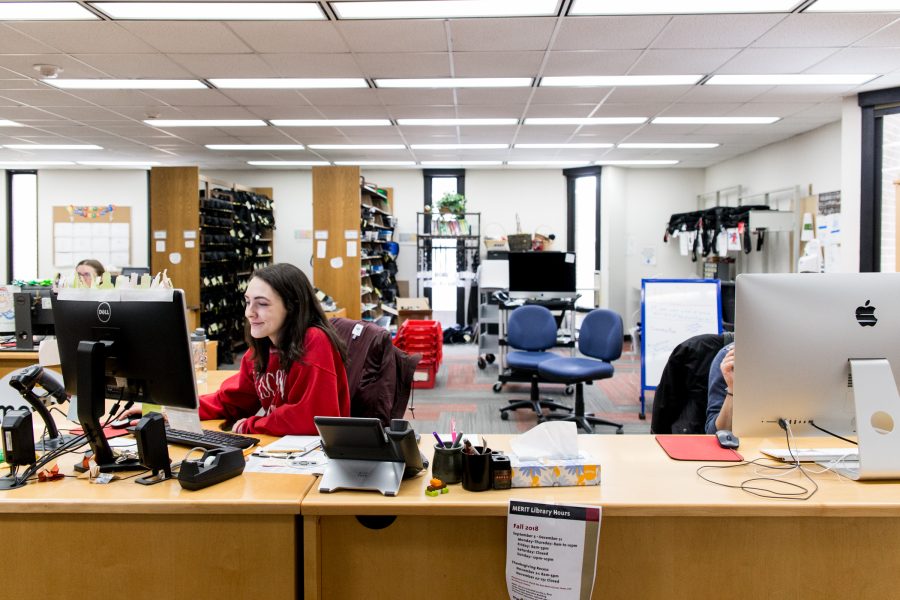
<point x="519" y="242"/>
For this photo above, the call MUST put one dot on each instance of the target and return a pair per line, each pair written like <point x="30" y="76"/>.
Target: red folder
<point x="108" y="432"/>
<point x="697" y="447"/>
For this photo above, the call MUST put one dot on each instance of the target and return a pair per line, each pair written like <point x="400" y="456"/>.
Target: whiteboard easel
<point x="673" y="310"/>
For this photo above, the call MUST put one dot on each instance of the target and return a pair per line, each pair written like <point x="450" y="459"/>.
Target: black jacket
<point x="679" y="404"/>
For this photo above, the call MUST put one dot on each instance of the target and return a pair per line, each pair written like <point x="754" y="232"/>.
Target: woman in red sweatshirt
<point x="294" y="369"/>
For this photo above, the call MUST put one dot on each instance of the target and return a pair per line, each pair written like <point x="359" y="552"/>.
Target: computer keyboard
<point x="209" y="439"/>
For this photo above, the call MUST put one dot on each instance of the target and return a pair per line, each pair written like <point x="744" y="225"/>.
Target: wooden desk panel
<point x="665" y="534"/>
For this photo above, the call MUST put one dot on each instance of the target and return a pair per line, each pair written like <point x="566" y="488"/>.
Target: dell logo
<point x="865" y="315"/>
<point x="104" y="312"/>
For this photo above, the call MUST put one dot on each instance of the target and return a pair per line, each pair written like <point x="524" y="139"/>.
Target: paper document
<point x="292" y="454"/>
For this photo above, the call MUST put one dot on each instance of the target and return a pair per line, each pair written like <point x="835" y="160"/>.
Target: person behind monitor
<point x="294" y="369"/>
<point x="89" y="270"/>
<point x="720" y="400"/>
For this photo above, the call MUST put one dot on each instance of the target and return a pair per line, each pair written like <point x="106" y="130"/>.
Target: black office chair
<point x="532" y="330"/>
<point x="600" y="338"/>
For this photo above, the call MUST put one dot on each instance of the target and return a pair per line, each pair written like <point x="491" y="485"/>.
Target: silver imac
<point x="797" y="338"/>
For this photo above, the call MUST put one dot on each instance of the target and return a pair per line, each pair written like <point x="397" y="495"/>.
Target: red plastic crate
<point x="425" y="375"/>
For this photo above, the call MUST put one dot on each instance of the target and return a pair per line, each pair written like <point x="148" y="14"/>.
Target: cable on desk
<point x="831" y="433"/>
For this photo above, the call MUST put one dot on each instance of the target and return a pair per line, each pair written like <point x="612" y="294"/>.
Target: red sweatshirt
<point x="314" y="386"/>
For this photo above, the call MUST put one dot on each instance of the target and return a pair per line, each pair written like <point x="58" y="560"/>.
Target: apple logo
<point x="865" y="315"/>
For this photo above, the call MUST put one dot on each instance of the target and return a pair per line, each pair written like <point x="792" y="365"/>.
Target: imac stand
<point x="877" y="418"/>
<point x="370" y="475"/>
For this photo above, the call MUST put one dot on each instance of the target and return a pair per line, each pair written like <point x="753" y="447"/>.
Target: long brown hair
<point x="303" y="312"/>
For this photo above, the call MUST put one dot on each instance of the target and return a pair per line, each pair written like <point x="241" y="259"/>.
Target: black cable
<point x="831" y="433"/>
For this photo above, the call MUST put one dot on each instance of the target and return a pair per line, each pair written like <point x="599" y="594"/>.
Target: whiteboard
<point x="673" y="310"/>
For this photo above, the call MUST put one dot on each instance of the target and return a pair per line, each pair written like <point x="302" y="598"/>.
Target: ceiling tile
<point x="612" y="62"/>
<point x="351" y="97"/>
<point x="510" y="96"/>
<point x="287" y="98"/>
<point x="415" y="97"/>
<point x="723" y="93"/>
<point x="682" y="62"/>
<point x="280" y="110"/>
<point x="394" y="36"/>
<point x="227" y="66"/>
<point x="187" y="36"/>
<point x="404" y="64"/>
<point x="752" y="61"/>
<point x="112" y="98"/>
<point x="87" y="37"/>
<point x="42" y="98"/>
<point x="860" y="60"/>
<point x="887" y="37"/>
<point x="661" y="93"/>
<point x="563" y="95"/>
<point x="313" y="65"/>
<point x="715" y="31"/>
<point x="514" y="34"/>
<point x="497" y="64"/>
<point x="15" y="42"/>
<point x="23" y="113"/>
<point x="86" y="113"/>
<point x="290" y="37"/>
<point x="23" y="64"/>
<point x="191" y="97"/>
<point x="608" y="33"/>
<point x="21" y="84"/>
<point x="129" y="66"/>
<point x="826" y="30"/>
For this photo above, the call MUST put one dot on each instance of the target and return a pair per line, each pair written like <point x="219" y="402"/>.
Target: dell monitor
<point x="33" y="315"/>
<point x="127" y="344"/>
<point x="797" y="338"/>
<point x="541" y="274"/>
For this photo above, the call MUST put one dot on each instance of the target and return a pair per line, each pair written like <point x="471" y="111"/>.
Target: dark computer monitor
<point x="127" y="271"/>
<point x="33" y="315"/>
<point x="120" y="344"/>
<point x="541" y="274"/>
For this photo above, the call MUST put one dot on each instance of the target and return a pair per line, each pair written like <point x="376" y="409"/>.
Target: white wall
<point x="4" y="276"/>
<point x="91" y="188"/>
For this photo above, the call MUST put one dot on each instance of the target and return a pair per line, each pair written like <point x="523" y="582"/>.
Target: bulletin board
<point x="99" y="232"/>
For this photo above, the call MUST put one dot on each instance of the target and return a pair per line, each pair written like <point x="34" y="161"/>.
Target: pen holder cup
<point x="476" y="471"/>
<point x="447" y="464"/>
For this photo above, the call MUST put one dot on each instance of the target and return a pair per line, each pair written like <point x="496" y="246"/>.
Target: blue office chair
<point x="600" y="338"/>
<point x="532" y="330"/>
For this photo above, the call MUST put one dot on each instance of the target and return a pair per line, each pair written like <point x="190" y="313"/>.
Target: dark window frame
<point x="571" y="175"/>
<point x="429" y="175"/>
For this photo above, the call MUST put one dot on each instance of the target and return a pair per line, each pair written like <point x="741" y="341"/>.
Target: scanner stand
<point x="370" y="475"/>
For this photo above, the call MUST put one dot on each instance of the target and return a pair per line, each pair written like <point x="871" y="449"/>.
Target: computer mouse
<point x="121" y="423"/>
<point x="727" y="439"/>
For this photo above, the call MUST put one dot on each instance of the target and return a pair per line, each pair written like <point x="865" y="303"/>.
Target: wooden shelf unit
<point x="346" y="209"/>
<point x="213" y="234"/>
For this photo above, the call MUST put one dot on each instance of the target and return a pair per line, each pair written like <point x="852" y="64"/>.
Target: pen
<point x="458" y="442"/>
<point x="438" y="438"/>
<point x="452" y="432"/>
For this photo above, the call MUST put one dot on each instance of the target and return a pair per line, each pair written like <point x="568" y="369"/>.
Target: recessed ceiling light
<point x="164" y="123"/>
<point x="563" y="146"/>
<point x="254" y="146"/>
<point x="53" y="147"/>
<point x="585" y="120"/>
<point x="288" y="163"/>
<point x="455" y="122"/>
<point x="646" y="163"/>
<point x="459" y="146"/>
<point x="461" y="163"/>
<point x="619" y="80"/>
<point x="546" y="163"/>
<point x="666" y="145"/>
<point x="376" y="163"/>
<point x="854" y="6"/>
<point x="444" y="9"/>
<point x="7" y="123"/>
<point x="714" y="120"/>
<point x="667" y="7"/>
<point x="35" y="163"/>
<point x="331" y="122"/>
<point x="795" y="79"/>
<point x="289" y="83"/>
<point x="126" y="84"/>
<point x="118" y="163"/>
<point x="356" y="146"/>
<point x="213" y="11"/>
<point x="456" y="82"/>
<point x="45" y="11"/>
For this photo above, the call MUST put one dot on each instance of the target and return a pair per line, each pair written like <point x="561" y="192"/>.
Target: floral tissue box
<point x="583" y="470"/>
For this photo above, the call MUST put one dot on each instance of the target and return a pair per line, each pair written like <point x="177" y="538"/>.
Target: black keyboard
<point x="210" y="439"/>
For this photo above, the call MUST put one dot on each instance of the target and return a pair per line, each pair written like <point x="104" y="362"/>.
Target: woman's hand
<point x="131" y="416"/>
<point x="727" y="367"/>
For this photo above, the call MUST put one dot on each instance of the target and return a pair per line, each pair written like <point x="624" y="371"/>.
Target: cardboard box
<point x="413" y="308"/>
<point x="581" y="471"/>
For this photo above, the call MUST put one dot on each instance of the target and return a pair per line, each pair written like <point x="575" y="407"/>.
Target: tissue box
<point x="583" y="470"/>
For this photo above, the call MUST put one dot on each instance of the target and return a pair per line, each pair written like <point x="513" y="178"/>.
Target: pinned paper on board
<point x="351" y="234"/>
<point x="648" y="256"/>
<point x="321" y="234"/>
<point x="175" y="258"/>
<point x="321" y="249"/>
<point x="351" y="249"/>
<point x="160" y="245"/>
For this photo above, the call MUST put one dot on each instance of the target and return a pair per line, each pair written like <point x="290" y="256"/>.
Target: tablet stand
<point x="369" y="475"/>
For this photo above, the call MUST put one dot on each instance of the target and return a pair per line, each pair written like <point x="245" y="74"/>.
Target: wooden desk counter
<point x="665" y="534"/>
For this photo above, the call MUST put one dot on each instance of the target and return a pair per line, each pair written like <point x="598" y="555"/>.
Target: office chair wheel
<point x="504" y="416"/>
<point x="497" y="387"/>
<point x="482" y="364"/>
<point x="490" y="358"/>
<point x="570" y="389"/>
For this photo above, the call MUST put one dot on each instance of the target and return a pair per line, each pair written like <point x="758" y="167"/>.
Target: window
<point x="444" y="293"/>
<point x="22" y="250"/>
<point x="583" y="235"/>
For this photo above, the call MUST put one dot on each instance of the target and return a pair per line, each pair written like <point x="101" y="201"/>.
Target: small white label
<point x="321" y="234"/>
<point x="351" y="249"/>
<point x="190" y="235"/>
<point x="337" y="262"/>
<point x="320" y="249"/>
<point x="175" y="258"/>
<point x="351" y="234"/>
<point x="159" y="235"/>
<point x="570" y="257"/>
<point x="189" y="243"/>
<point x="357" y="330"/>
<point x="160" y="245"/>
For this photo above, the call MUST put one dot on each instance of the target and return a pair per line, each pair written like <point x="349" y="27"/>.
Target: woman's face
<point x="86" y="272"/>
<point x="264" y="310"/>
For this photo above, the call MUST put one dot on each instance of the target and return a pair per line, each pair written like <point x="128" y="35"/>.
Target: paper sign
<point x="175" y="258"/>
<point x="337" y="262"/>
<point x="321" y="234"/>
<point x="189" y="244"/>
<point x="190" y="235"/>
<point x="160" y="245"/>
<point x="551" y="550"/>
<point x="351" y="249"/>
<point x="159" y="235"/>
<point x="351" y="234"/>
<point x="648" y="256"/>
<point x="570" y="258"/>
<point x="320" y="249"/>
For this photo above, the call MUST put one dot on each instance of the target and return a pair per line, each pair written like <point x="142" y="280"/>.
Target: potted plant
<point x="452" y="204"/>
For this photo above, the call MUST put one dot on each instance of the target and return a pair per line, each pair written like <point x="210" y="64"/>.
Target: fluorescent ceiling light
<point x="45" y="11"/>
<point x="126" y="84"/>
<point x="545" y="163"/>
<point x="445" y="9"/>
<point x="288" y="163"/>
<point x="619" y="80"/>
<point x="118" y="163"/>
<point x="456" y="122"/>
<point x="564" y="146"/>
<point x="855" y="6"/>
<point x="331" y="122"/>
<point x="715" y="120"/>
<point x="376" y="163"/>
<point x="586" y="121"/>
<point x="684" y="7"/>
<point x="8" y="123"/>
<point x="213" y="11"/>
<point x="289" y="83"/>
<point x="636" y="162"/>
<point x="459" y="146"/>
<point x="456" y="82"/>
<point x="205" y="122"/>
<point x="254" y="146"/>
<point x="675" y="145"/>
<point x="461" y="163"/>
<point x="53" y="147"/>
<point x="356" y="147"/>
<point x="795" y="79"/>
<point x="35" y="163"/>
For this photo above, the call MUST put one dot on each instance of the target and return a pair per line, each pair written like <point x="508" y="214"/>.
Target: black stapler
<point x="213" y="467"/>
